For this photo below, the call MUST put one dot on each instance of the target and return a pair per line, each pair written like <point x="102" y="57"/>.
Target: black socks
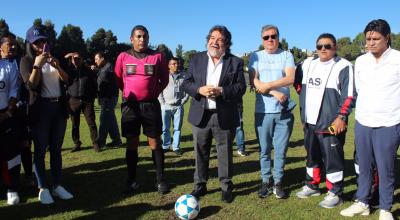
<point x="131" y="163"/>
<point x="158" y="160"/>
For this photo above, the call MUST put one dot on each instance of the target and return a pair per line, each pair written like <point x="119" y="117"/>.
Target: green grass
<point x="97" y="180"/>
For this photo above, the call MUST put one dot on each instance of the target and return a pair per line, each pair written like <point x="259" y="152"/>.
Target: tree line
<point x="70" y="39"/>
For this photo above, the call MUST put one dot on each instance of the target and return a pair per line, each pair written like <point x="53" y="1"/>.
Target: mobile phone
<point x="46" y="48"/>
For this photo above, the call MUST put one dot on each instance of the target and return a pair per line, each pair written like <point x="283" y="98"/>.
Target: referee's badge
<point x="149" y="69"/>
<point x="130" y="69"/>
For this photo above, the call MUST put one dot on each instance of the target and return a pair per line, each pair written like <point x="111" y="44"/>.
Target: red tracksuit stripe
<point x="316" y="176"/>
<point x="346" y="105"/>
<point x="5" y="174"/>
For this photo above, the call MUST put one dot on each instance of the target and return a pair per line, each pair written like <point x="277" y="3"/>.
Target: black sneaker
<point x="265" y="190"/>
<point x="76" y="149"/>
<point x="131" y="188"/>
<point x="178" y="152"/>
<point x="114" y="144"/>
<point x="226" y="196"/>
<point x="162" y="187"/>
<point x="199" y="192"/>
<point x="279" y="192"/>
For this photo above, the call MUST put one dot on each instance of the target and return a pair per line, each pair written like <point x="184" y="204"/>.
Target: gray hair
<point x="270" y="26"/>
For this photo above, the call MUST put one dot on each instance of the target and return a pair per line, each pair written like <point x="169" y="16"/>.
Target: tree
<point x="341" y="42"/>
<point x="298" y="55"/>
<point x="162" y="48"/>
<point x="395" y="41"/>
<point x="284" y="44"/>
<point x="349" y="52"/>
<point x="71" y="40"/>
<point x="50" y="32"/>
<point x="359" y="41"/>
<point x="187" y="55"/>
<point x="4" y="29"/>
<point x="179" y="51"/>
<point x="103" y="41"/>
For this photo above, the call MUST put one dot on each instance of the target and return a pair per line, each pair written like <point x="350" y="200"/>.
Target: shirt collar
<point x="383" y="56"/>
<point x="326" y="62"/>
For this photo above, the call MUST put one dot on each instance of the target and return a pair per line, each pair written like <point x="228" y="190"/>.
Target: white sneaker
<point x="45" y="197"/>
<point x="62" y="193"/>
<point x="330" y="201"/>
<point x="358" y="208"/>
<point x="242" y="153"/>
<point x="12" y="198"/>
<point x="307" y="192"/>
<point x="385" y="215"/>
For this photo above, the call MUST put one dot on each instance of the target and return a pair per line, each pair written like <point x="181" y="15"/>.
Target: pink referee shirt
<point x="141" y="79"/>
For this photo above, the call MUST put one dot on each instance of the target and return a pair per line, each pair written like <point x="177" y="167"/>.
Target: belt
<point x="51" y="99"/>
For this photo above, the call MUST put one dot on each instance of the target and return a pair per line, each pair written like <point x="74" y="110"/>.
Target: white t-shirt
<point x="50" y="82"/>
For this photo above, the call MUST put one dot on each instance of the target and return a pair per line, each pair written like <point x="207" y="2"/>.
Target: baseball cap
<point x="35" y="33"/>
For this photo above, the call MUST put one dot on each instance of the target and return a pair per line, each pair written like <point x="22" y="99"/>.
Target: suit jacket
<point x="232" y="81"/>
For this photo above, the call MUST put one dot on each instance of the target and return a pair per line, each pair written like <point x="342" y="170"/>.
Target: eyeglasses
<point x="266" y="37"/>
<point x="326" y="46"/>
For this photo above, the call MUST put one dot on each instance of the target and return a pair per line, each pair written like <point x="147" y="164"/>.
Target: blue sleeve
<point x="289" y="60"/>
<point x="14" y="82"/>
<point x="253" y="61"/>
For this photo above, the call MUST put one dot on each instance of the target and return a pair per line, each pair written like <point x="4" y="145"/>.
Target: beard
<point x="215" y="52"/>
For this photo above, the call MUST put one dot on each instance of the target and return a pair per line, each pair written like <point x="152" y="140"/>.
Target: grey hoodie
<point x="173" y="95"/>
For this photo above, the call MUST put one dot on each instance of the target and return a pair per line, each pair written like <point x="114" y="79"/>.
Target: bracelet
<point x="35" y="67"/>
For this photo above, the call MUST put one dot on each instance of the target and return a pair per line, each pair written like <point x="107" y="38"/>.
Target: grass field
<point x="97" y="181"/>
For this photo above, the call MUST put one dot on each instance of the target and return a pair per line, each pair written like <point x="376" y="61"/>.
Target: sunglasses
<point x="326" y="46"/>
<point x="266" y="37"/>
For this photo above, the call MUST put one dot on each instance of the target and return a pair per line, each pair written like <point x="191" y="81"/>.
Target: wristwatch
<point x="36" y="67"/>
<point x="342" y="117"/>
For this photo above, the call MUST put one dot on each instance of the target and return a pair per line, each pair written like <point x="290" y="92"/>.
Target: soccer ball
<point x="187" y="207"/>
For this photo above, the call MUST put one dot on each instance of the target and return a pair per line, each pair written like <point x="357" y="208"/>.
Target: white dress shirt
<point x="213" y="75"/>
<point x="378" y="88"/>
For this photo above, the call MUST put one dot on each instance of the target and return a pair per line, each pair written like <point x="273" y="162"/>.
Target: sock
<point x="158" y="160"/>
<point x="131" y="163"/>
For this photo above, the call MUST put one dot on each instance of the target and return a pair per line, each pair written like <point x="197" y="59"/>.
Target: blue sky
<point x="187" y="22"/>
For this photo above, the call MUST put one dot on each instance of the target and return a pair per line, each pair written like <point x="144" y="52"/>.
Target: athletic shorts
<point x="141" y="113"/>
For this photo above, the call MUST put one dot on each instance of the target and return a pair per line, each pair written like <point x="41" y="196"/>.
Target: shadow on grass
<point x="128" y="212"/>
<point x="292" y="144"/>
<point x="208" y="211"/>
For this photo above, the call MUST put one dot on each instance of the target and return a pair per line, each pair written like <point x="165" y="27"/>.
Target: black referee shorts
<point x="141" y="113"/>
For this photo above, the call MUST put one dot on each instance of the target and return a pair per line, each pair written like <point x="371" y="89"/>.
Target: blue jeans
<point x="273" y="131"/>
<point x="176" y="115"/>
<point x="108" y="121"/>
<point x="240" y="134"/>
<point x="49" y="133"/>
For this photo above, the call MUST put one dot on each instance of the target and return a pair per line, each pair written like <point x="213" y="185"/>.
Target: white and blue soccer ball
<point x="187" y="207"/>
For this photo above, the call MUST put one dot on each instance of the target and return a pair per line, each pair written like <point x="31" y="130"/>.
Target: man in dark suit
<point x="216" y="83"/>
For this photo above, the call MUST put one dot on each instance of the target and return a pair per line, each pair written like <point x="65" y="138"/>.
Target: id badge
<point x="130" y="69"/>
<point x="149" y="69"/>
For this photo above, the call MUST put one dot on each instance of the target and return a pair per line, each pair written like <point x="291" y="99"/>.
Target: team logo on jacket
<point x="130" y="69"/>
<point x="149" y="69"/>
<point x="314" y="82"/>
